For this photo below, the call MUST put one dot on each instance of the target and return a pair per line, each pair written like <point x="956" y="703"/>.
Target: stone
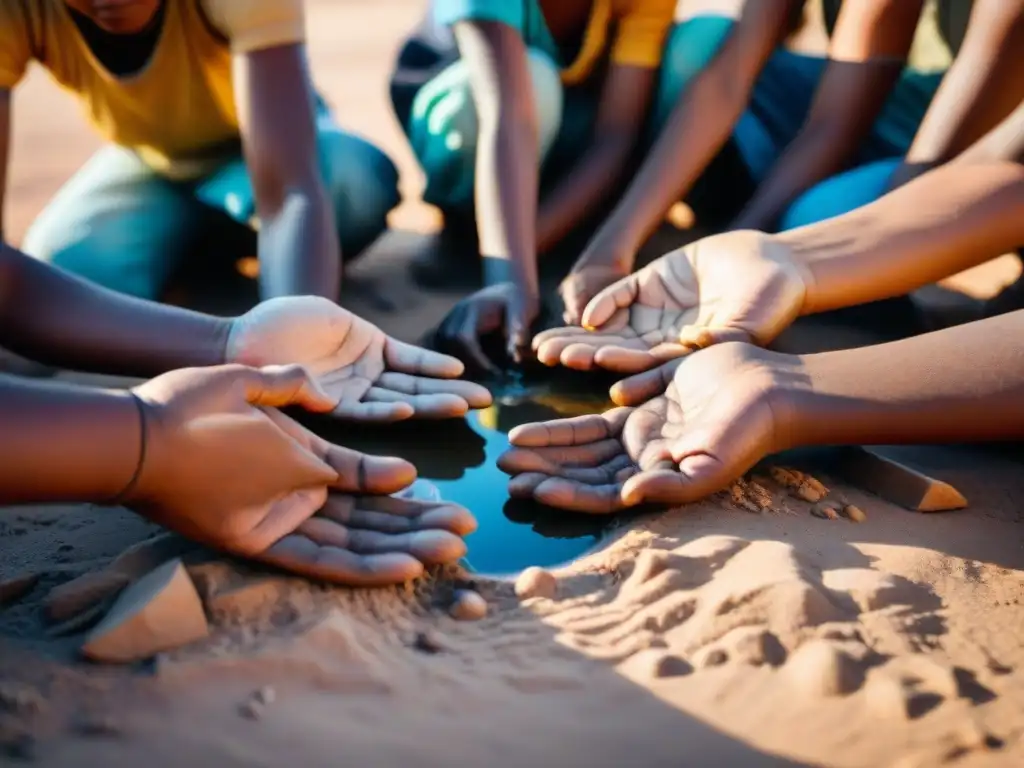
<point x="468" y="606"/>
<point x="818" y="668"/>
<point x="536" y="582"/>
<point x="160" y="611"/>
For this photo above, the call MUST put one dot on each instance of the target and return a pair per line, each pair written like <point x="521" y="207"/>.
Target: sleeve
<point x="252" y="25"/>
<point x="15" y="42"/>
<point x="510" y="12"/>
<point x="642" y="30"/>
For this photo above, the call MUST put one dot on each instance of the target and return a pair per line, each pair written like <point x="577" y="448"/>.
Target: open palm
<point x="371" y="376"/>
<point x="738" y="286"/>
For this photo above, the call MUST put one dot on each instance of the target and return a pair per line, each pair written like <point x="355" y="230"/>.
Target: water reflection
<point x="460" y="457"/>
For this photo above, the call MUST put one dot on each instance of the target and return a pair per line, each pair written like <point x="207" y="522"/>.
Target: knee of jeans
<point x="690" y="47"/>
<point x="838" y="195"/>
<point x="362" y="183"/>
<point x="107" y="266"/>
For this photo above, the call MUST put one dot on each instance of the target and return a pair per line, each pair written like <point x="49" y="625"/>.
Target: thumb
<point x="701" y="337"/>
<point x="604" y="305"/>
<point x="278" y="386"/>
<point x="640" y="388"/>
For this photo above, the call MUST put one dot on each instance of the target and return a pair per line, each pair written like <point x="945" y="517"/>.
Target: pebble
<point x="819" y="668"/>
<point x="468" y="606"/>
<point x="265" y="695"/>
<point x="536" y="582"/>
<point x="715" y="658"/>
<point x="428" y="641"/>
<point x="825" y="511"/>
<point x="808" y="492"/>
<point x="251" y="710"/>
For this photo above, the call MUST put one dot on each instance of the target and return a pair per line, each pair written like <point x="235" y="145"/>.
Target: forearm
<point x="56" y="318"/>
<point x="964" y="384"/>
<point x="63" y="443"/>
<point x="950" y="219"/>
<point x="585" y="187"/>
<point x="298" y="246"/>
<point x="506" y="198"/>
<point x="698" y="128"/>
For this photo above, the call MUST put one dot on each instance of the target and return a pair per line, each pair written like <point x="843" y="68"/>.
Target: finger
<point x="557" y="333"/>
<point x="644" y="386"/>
<point x="623" y="360"/>
<point x="301" y="555"/>
<point x="607" y="302"/>
<point x="467" y="344"/>
<point x="374" y="410"/>
<point x="393" y="515"/>
<point x="474" y="394"/>
<point x="575" y="431"/>
<point x="428" y="546"/>
<point x="523" y="486"/>
<point x="408" y="358"/>
<point x="361" y="473"/>
<point x="422" y="406"/>
<point x="284" y="516"/>
<point x="518" y="460"/>
<point x="518" y="330"/>
<point x="579" y="356"/>
<point x="700" y="337"/>
<point x="549" y="349"/>
<point x="278" y="386"/>
<point x="660" y="486"/>
<point x="579" y="497"/>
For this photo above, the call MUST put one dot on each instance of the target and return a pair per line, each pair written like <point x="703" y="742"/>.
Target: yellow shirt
<point x="178" y="112"/>
<point x="629" y="32"/>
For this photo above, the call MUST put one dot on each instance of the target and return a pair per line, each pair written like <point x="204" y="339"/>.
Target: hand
<point x="738" y="286"/>
<point x="368" y="375"/>
<point x="582" y="284"/>
<point x="502" y="306"/>
<point x="716" y="420"/>
<point x="224" y="468"/>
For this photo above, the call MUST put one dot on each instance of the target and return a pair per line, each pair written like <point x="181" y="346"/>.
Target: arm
<point x="871" y="42"/>
<point x="625" y="97"/>
<point x="110" y="332"/>
<point x="984" y="85"/>
<point x="298" y="241"/>
<point x="964" y="384"/>
<point x="5" y="141"/>
<point x="63" y="443"/>
<point x="950" y="219"/>
<point x="506" y="166"/>
<point x="698" y="127"/>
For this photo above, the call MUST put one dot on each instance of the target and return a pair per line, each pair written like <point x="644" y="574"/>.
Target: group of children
<point x="837" y="181"/>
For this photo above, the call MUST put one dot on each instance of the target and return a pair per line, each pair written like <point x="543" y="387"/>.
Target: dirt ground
<point x="745" y="630"/>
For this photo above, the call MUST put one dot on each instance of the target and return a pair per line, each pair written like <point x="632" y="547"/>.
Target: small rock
<point x="670" y="665"/>
<point x="821" y="669"/>
<point x="536" y="582"/>
<point x="787" y="478"/>
<point x="20" y="699"/>
<point x="468" y="606"/>
<point x="854" y="513"/>
<point x="808" y="492"/>
<point x="716" y="657"/>
<point x="825" y="511"/>
<point x="265" y="695"/>
<point x="428" y="641"/>
<point x="158" y="612"/>
<point x="251" y="710"/>
<point x="17" y="587"/>
<point x="98" y="726"/>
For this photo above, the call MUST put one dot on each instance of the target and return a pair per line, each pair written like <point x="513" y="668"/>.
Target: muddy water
<point x="459" y="457"/>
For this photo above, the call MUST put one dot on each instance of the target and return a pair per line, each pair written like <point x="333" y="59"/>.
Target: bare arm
<point x="624" y="101"/>
<point x="698" y="127"/>
<point x="950" y="219"/>
<point x="5" y="142"/>
<point x="298" y="241"/>
<point x="108" y="332"/>
<point x="963" y="384"/>
<point x="63" y="443"/>
<point x="868" y="50"/>
<point x="984" y="85"/>
<point x="506" y="161"/>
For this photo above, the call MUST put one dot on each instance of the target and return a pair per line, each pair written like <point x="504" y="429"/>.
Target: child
<point x="206" y="106"/>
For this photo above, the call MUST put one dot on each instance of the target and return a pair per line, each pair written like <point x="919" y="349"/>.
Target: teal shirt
<point x="525" y="16"/>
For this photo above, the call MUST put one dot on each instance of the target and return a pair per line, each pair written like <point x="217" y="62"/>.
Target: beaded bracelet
<point x="119" y="498"/>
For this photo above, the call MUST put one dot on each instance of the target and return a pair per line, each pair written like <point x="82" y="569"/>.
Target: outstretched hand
<point x="738" y="286"/>
<point x="718" y="417"/>
<point x="223" y="467"/>
<point x="368" y="375"/>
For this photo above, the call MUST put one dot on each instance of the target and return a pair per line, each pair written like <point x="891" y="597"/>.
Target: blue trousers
<point x="121" y="225"/>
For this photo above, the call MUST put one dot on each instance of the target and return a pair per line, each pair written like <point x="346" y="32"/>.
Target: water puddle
<point x="459" y="458"/>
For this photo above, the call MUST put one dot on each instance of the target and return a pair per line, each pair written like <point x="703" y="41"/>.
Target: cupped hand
<point x="723" y="411"/>
<point x="738" y="286"/>
<point x="222" y="466"/>
<point x="501" y="307"/>
<point x="368" y="375"/>
<point x="583" y="283"/>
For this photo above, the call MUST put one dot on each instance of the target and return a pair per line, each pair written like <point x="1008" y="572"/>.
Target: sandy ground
<point x="740" y="631"/>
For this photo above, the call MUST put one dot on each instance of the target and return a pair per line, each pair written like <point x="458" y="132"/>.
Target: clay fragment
<point x="160" y="611"/>
<point x="826" y="511"/>
<point x="536" y="582"/>
<point x="808" y="492"/>
<point x="899" y="483"/>
<point x="468" y="606"/>
<point x="854" y="513"/>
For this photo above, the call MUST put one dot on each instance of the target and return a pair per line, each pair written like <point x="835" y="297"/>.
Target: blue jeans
<point x="119" y="224"/>
<point x="778" y="109"/>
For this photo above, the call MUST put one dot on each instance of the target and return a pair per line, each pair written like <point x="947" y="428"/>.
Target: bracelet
<point x="123" y="493"/>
